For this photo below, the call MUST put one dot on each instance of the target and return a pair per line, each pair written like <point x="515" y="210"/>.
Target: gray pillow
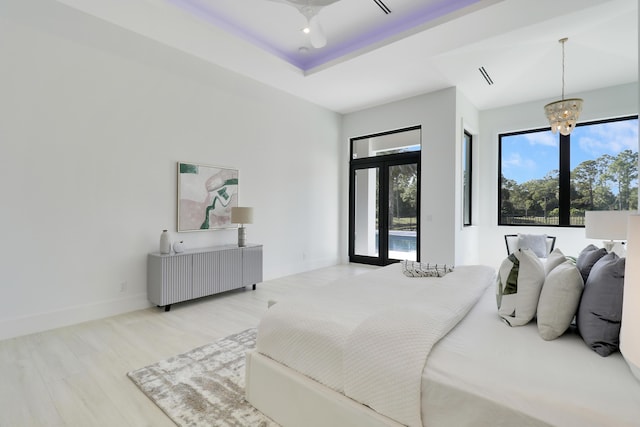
<point x="600" y="312"/>
<point x="536" y="242"/>
<point x="587" y="259"/>
<point x="559" y="300"/>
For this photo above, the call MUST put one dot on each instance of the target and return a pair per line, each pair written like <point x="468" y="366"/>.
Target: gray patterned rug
<point x="205" y="386"/>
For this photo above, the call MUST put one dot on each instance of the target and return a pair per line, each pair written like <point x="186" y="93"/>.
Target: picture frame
<point x="206" y="195"/>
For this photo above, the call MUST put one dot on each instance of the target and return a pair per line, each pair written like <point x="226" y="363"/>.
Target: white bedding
<point x="352" y="335"/>
<point x="487" y="373"/>
<point x="482" y="372"/>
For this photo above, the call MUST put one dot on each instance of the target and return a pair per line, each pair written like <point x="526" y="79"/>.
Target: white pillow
<point x="536" y="242"/>
<point x="559" y="300"/>
<point x="518" y="287"/>
<point x="555" y="258"/>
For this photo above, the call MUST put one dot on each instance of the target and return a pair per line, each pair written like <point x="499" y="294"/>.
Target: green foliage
<point x="606" y="183"/>
<point x="403" y="198"/>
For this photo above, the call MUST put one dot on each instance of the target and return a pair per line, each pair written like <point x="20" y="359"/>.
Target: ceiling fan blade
<point x="316" y="34"/>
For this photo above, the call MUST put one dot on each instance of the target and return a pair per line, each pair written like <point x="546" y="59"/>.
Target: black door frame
<point x="383" y="163"/>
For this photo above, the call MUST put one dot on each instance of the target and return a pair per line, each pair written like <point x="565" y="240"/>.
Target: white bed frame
<point x="293" y="400"/>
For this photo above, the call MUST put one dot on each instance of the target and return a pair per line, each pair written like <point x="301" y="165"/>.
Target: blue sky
<point x="533" y="155"/>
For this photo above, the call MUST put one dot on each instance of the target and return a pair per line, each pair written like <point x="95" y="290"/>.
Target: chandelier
<point x="563" y="114"/>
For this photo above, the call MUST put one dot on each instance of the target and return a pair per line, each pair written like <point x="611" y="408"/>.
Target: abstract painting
<point x="206" y="195"/>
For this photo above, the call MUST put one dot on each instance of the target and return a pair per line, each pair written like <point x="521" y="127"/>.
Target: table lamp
<point x="606" y="225"/>
<point x="242" y="216"/>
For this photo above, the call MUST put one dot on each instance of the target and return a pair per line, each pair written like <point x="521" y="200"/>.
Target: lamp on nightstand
<point x="606" y="225"/>
<point x="242" y="216"/>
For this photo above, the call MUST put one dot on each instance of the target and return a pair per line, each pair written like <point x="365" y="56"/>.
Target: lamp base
<point x="242" y="237"/>
<point x="608" y="245"/>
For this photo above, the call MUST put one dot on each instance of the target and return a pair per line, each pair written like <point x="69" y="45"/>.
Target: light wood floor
<point x="76" y="376"/>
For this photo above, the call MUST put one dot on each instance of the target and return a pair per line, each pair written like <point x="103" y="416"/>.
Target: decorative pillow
<point x="600" y="311"/>
<point x="555" y="258"/>
<point x="587" y="259"/>
<point x="536" y="242"/>
<point x="419" y="269"/>
<point x="519" y="282"/>
<point x="559" y="300"/>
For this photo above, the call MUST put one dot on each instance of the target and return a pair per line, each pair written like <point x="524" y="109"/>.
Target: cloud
<point x="608" y="138"/>
<point x="517" y="162"/>
<point x="546" y="139"/>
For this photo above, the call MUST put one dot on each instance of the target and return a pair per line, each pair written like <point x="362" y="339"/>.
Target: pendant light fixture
<point x="563" y="115"/>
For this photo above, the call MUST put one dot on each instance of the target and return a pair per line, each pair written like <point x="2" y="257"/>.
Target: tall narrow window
<point x="384" y="197"/>
<point x="467" y="149"/>
<point x="547" y="179"/>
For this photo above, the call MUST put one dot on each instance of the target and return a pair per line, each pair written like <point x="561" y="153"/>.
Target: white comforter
<point x="369" y="336"/>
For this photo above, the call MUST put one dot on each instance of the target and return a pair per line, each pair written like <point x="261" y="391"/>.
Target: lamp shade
<point x="606" y="225"/>
<point x="630" y="328"/>
<point x="242" y="215"/>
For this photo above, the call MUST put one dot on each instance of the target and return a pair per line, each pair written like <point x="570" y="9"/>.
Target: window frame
<point x="564" y="173"/>
<point x="383" y="162"/>
<point x="467" y="188"/>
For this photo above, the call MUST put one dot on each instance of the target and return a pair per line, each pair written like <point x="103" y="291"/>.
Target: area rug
<point x="205" y="386"/>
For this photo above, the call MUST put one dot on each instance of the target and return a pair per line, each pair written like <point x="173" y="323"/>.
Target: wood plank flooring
<point x="76" y="376"/>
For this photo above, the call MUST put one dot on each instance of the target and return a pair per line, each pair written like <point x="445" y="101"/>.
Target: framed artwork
<point x="206" y="195"/>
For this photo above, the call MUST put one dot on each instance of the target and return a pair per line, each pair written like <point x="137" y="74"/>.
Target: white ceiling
<point x="423" y="45"/>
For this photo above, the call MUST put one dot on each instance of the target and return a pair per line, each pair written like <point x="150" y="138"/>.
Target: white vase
<point x="178" y="247"/>
<point x="165" y="243"/>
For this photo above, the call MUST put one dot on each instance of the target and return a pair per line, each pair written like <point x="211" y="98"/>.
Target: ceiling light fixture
<point x="310" y="9"/>
<point x="563" y="115"/>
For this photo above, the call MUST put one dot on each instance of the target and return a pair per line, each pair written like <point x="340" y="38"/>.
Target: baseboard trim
<point x="11" y="328"/>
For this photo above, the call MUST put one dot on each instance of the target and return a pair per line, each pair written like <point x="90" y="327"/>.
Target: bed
<point x="305" y="370"/>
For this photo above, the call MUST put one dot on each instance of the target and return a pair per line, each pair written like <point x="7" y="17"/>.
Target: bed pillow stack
<point x="600" y="312"/>
<point x="560" y="296"/>
<point x="519" y="283"/>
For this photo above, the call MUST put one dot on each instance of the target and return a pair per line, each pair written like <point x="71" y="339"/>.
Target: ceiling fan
<point x="310" y="9"/>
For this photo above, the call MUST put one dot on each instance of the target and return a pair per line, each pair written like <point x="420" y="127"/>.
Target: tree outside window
<point x="547" y="179"/>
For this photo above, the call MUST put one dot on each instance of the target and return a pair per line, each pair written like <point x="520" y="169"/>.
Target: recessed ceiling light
<point x="306" y="30"/>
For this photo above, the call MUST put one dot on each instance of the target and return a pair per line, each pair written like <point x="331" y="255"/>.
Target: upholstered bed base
<point x="292" y="400"/>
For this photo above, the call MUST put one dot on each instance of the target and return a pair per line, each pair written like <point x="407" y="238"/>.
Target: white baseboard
<point x="10" y="328"/>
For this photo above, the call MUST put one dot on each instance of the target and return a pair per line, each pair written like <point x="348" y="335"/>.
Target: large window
<point x="547" y="179"/>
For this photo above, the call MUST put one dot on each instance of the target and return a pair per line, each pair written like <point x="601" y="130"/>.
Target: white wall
<point x="93" y="119"/>
<point x="436" y="113"/>
<point x="598" y="104"/>
<point x="467" y="241"/>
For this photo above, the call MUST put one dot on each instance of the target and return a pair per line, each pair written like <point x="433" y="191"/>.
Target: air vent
<point x="383" y="6"/>
<point x="486" y="75"/>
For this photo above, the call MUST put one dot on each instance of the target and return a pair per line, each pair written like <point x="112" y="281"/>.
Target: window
<point x="467" y="146"/>
<point x="547" y="179"/>
<point x="384" y="197"/>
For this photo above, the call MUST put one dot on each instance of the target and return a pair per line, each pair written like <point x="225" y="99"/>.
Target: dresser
<point x="196" y="273"/>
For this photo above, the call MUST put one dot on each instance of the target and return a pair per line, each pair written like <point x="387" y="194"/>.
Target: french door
<point x="384" y="208"/>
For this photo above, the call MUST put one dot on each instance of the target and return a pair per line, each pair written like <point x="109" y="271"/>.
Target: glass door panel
<point x="366" y="212"/>
<point x="403" y="212"/>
